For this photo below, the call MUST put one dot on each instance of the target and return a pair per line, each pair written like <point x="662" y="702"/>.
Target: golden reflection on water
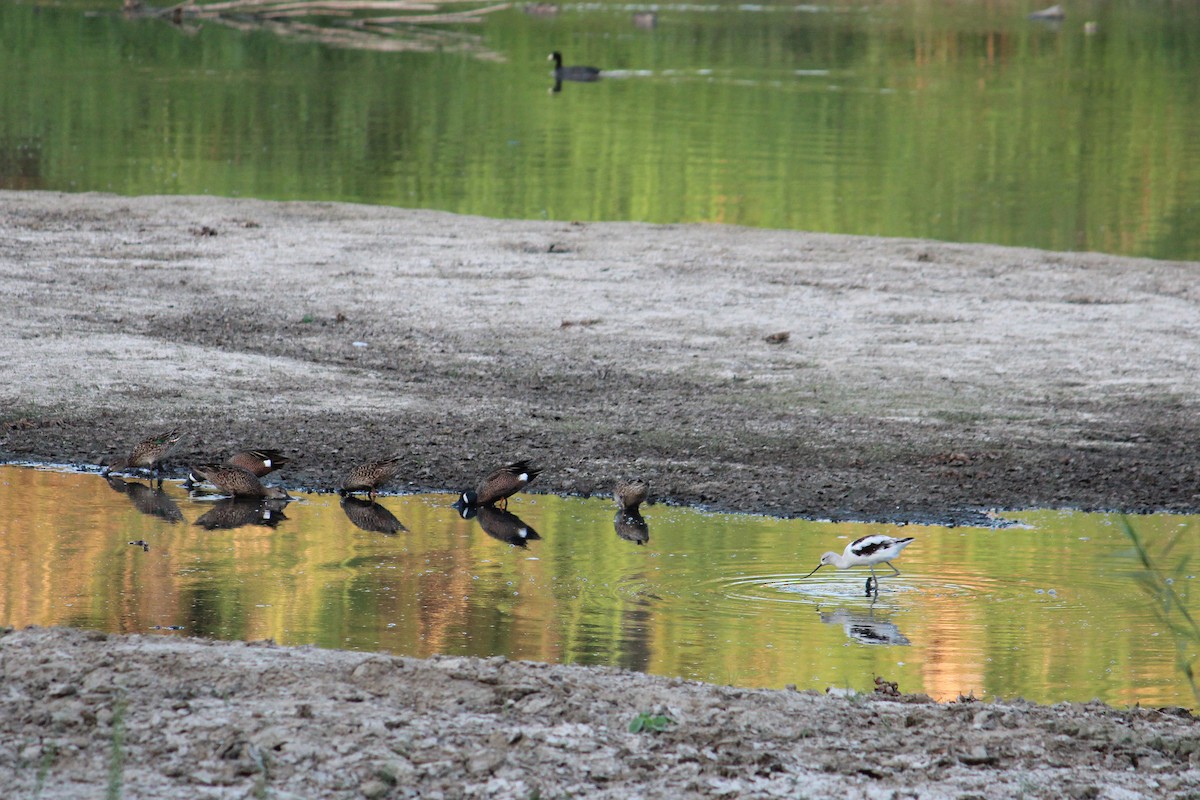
<point x="1046" y="611"/>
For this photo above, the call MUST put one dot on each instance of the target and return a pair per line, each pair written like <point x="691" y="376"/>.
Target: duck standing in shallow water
<point x="867" y="552"/>
<point x="369" y="477"/>
<point x="582" y="74"/>
<point x="148" y="454"/>
<point x="628" y="522"/>
<point x="237" y="481"/>
<point x="499" y="485"/>
<point x="259" y="462"/>
<point x="630" y="494"/>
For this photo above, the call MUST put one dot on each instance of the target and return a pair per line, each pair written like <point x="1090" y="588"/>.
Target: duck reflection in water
<point x="499" y="524"/>
<point x="631" y="527"/>
<point x="236" y="512"/>
<point x="370" y="516"/>
<point x="865" y="628"/>
<point x="148" y="500"/>
<point x="628" y="522"/>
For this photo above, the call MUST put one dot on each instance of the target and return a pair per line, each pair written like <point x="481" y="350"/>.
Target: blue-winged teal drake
<point x="237" y="481"/>
<point x="630" y="494"/>
<point x="370" y="516"/>
<point x="369" y="477"/>
<point x="561" y="73"/>
<point x="500" y="484"/>
<point x="505" y="526"/>
<point x="148" y="454"/>
<point x="260" y="462"/>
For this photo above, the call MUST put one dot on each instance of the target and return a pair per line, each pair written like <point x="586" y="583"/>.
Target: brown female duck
<point x="259" y="462"/>
<point x="369" y="477"/>
<point x="630" y="494"/>
<point x="148" y="454"/>
<point x="237" y="481"/>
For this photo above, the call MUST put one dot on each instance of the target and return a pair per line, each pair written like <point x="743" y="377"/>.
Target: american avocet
<point x="867" y="552"/>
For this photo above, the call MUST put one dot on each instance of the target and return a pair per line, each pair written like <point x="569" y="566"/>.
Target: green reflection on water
<point x="1045" y="611"/>
<point x="963" y="122"/>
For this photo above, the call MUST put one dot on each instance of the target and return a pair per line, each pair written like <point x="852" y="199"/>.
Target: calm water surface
<point x="1047" y="610"/>
<point x="931" y="118"/>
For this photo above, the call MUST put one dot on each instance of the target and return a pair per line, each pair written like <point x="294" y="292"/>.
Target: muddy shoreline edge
<point x="918" y="381"/>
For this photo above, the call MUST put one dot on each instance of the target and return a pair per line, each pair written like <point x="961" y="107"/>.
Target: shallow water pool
<point x="1046" y="608"/>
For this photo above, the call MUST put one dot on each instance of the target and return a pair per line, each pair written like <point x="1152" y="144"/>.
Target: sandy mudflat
<point x="197" y="719"/>
<point x="918" y="380"/>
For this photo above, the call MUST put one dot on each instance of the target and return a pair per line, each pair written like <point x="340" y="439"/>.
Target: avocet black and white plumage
<point x="867" y="552"/>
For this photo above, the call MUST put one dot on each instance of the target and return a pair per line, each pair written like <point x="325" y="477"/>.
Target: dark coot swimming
<point x="562" y="73"/>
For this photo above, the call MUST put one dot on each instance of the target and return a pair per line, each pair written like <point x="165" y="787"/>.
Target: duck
<point x="369" y="477"/>
<point x="561" y="73"/>
<point x="630" y="494"/>
<point x="499" y="485"/>
<point x="147" y="454"/>
<point x="237" y="481"/>
<point x="260" y="462"/>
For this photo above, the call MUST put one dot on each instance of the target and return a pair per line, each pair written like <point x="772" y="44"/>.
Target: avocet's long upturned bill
<point x="867" y="552"/>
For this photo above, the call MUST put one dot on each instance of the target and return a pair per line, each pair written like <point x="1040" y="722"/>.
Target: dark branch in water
<point x="353" y="24"/>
